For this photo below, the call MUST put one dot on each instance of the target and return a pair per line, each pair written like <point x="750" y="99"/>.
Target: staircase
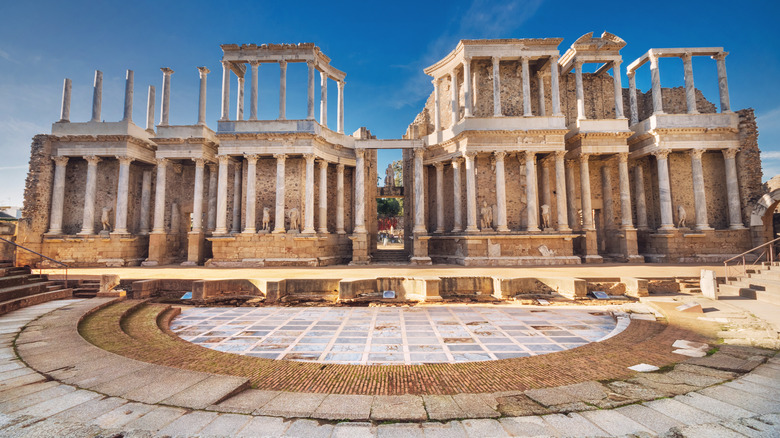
<point x="20" y="288"/>
<point x="762" y="284"/>
<point x="390" y="256"/>
<point x="86" y="288"/>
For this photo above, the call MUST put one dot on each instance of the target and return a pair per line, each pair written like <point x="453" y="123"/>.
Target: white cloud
<point x="770" y="155"/>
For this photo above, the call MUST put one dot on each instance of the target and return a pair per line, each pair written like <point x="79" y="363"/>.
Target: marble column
<point x="197" y="196"/>
<point x="122" y="193"/>
<point x="540" y="82"/>
<point x="340" y="199"/>
<point x="166" y="96"/>
<point x="323" y="191"/>
<point x="496" y="88"/>
<point x="251" y="198"/>
<point x="436" y="106"/>
<point x="240" y="98"/>
<point x="454" y="104"/>
<point x="203" y="72"/>
<point x="146" y="202"/>
<point x="158" y="226"/>
<point x="88" y="222"/>
<point x="467" y="110"/>
<point x="253" y="90"/>
<point x="97" y="97"/>
<point x="580" y="91"/>
<point x="632" y="98"/>
<point x="664" y="189"/>
<point x="310" y="91"/>
<point x="67" y="86"/>
<point x="544" y="190"/>
<point x="150" y="98"/>
<point x="128" y="108"/>
<point x="340" y="108"/>
<point x="279" y="210"/>
<point x="439" y="197"/>
<point x="690" y="89"/>
<point x="723" y="83"/>
<point x="419" y="192"/>
<point x="606" y="197"/>
<point x="526" y="87"/>
<point x="532" y="203"/>
<point x="457" y="225"/>
<point x="560" y="191"/>
<point x="308" y="213"/>
<point x="323" y="99"/>
<point x="360" y="191"/>
<point x="655" y="78"/>
<point x="235" y="224"/>
<point x="212" y="204"/>
<point x="732" y="189"/>
<point x="471" y="193"/>
<point x="222" y="188"/>
<point x="225" y="91"/>
<point x="639" y="190"/>
<point x="501" y="222"/>
<point x="587" y="209"/>
<point x="57" y="195"/>
<point x="699" y="192"/>
<point x="555" y="87"/>
<point x="571" y="195"/>
<point x="618" y="87"/>
<point x="626" y="218"/>
<point x="282" y="90"/>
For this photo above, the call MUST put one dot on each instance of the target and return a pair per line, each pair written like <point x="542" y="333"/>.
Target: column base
<point x="53" y="233"/>
<point x="703" y="228"/>
<point x="667" y="228"/>
<point x="120" y="233"/>
<point x="276" y="231"/>
<point x="472" y="230"/>
<point x="457" y="230"/>
<point x="341" y="232"/>
<point x="503" y="229"/>
<point x="438" y="230"/>
<point x="322" y="231"/>
<point x="737" y="227"/>
<point x="249" y="231"/>
<point x="564" y="230"/>
<point x="419" y="230"/>
<point x="308" y="231"/>
<point x="86" y="233"/>
<point x="533" y="229"/>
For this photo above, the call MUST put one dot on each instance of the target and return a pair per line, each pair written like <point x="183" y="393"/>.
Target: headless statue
<point x="681" y="216"/>
<point x="486" y="213"/>
<point x="294" y="218"/>
<point x="545" y="216"/>
<point x="105" y="218"/>
<point x="266" y="218"/>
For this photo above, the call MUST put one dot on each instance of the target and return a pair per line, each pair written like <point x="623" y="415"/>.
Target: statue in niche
<point x="486" y="217"/>
<point x="294" y="216"/>
<point x="681" y="216"/>
<point x="105" y="219"/>
<point x="545" y="216"/>
<point x="266" y="219"/>
<point x="390" y="176"/>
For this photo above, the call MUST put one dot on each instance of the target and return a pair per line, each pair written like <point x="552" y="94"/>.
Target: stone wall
<point x="503" y="250"/>
<point x="37" y="199"/>
<point x="89" y="251"/>
<point x="287" y="249"/>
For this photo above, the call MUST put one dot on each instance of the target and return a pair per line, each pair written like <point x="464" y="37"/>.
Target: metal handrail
<point x="40" y="270"/>
<point x="771" y="257"/>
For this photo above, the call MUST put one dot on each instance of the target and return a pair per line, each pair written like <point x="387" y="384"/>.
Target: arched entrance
<point x="764" y="218"/>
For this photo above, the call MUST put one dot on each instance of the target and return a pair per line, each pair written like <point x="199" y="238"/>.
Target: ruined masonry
<point x="518" y="158"/>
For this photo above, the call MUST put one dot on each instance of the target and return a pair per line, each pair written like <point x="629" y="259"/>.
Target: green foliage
<point x="389" y="207"/>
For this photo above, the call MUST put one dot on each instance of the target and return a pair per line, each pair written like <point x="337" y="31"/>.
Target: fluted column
<point x="203" y="72"/>
<point x="732" y="189"/>
<point x="664" y="189"/>
<point x="57" y="195"/>
<point x="212" y="204"/>
<point x="240" y="99"/>
<point x="626" y="219"/>
<point x="655" y="78"/>
<point x="436" y="106"/>
<point x="251" y="198"/>
<point x="618" y="87"/>
<point x="587" y="209"/>
<point x="699" y="192"/>
<point x="571" y="195"/>
<point x="540" y="81"/>
<point x="471" y="193"/>
<point x="88" y="221"/>
<point x="225" y="91"/>
<point x="235" y="223"/>
<point x="580" y="91"/>
<point x="560" y="191"/>
<point x="158" y="226"/>
<point x="526" y="87"/>
<point x="467" y="110"/>
<point x="555" y="87"/>
<point x="310" y="91"/>
<point x="496" y="88"/>
<point x="323" y="207"/>
<point x="456" y="191"/>
<point x="419" y="196"/>
<point x="501" y="222"/>
<point x="255" y="65"/>
<point x="439" y="197"/>
<point x="723" y="83"/>
<point x="308" y="216"/>
<point x="222" y="182"/>
<point x="97" y="97"/>
<point x="279" y="209"/>
<point x="282" y="90"/>
<point x="128" y="108"/>
<point x="639" y="190"/>
<point x="340" y="199"/>
<point x="360" y="191"/>
<point x="632" y="98"/>
<point x="340" y="108"/>
<point x="67" y="86"/>
<point x="166" y="96"/>
<point x="532" y="204"/>
<point x="146" y="202"/>
<point x="454" y="104"/>
<point x="197" y="196"/>
<point x="690" y="89"/>
<point x="122" y="193"/>
<point x="323" y="99"/>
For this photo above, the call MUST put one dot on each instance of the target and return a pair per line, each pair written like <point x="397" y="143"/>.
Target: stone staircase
<point x="761" y="284"/>
<point x="19" y="288"/>
<point x="390" y="256"/>
<point x="86" y="288"/>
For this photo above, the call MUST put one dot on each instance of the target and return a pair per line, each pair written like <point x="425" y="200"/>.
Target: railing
<point x="40" y="268"/>
<point x="768" y="252"/>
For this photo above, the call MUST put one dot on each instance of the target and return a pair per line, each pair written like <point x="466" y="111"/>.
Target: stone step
<point x="81" y="292"/>
<point x="6" y="263"/>
<point x="31" y="300"/>
<point x="736" y="290"/>
<point x="768" y="275"/>
<point x="15" y="280"/>
<point x="14" y="292"/>
<point x="772" y="297"/>
<point x="759" y="284"/>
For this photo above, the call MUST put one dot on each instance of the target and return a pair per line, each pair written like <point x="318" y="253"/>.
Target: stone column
<point x="340" y="199"/>
<point x="632" y="98"/>
<point x="128" y="108"/>
<point x="639" y="189"/>
<point x="235" y="225"/>
<point x="212" y="213"/>
<point x="282" y="90"/>
<point x="526" y="87"/>
<point x="723" y="83"/>
<point x="587" y="209"/>
<point x="88" y="222"/>
<point x="690" y="89"/>
<point x="532" y="204"/>
<point x="150" y="110"/>
<point x="664" y="189"/>
<point x="57" y="195"/>
<point x="158" y="226"/>
<point x="197" y="196"/>
<point x="308" y="214"/>
<point x="203" y="72"/>
<point x="454" y="104"/>
<point x="732" y="189"/>
<point x="360" y="191"/>
<point x="496" y="88"/>
<point x="225" y="91"/>
<point x="122" y="192"/>
<point x="323" y="226"/>
<point x="310" y="91"/>
<point x="471" y="193"/>
<point x="540" y="82"/>
<point x="166" y="96"/>
<point x="467" y="110"/>
<point x="571" y="196"/>
<point x="323" y="99"/>
<point x="251" y="198"/>
<point x="439" y="197"/>
<point x="626" y="219"/>
<point x="340" y="108"/>
<point x="655" y="77"/>
<point x="222" y="183"/>
<point x="419" y="192"/>
<point x="580" y="90"/>
<point x="97" y="97"/>
<point x="240" y="97"/>
<point x="699" y="192"/>
<point x="67" y="86"/>
<point x="618" y="86"/>
<point x="279" y="210"/>
<point x="555" y="88"/>
<point x="255" y="65"/>
<point x="544" y="190"/>
<point x="436" y="106"/>
<point x="501" y="222"/>
<point x="146" y="202"/>
<point x="560" y="191"/>
<point x="457" y="208"/>
<point x="606" y="197"/>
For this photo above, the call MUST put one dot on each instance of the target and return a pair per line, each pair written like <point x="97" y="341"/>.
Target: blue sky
<point x="382" y="46"/>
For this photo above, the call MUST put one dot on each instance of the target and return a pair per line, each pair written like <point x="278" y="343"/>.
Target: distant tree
<point x="388" y="207"/>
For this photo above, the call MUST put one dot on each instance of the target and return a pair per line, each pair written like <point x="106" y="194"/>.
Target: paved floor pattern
<point x="391" y="335"/>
